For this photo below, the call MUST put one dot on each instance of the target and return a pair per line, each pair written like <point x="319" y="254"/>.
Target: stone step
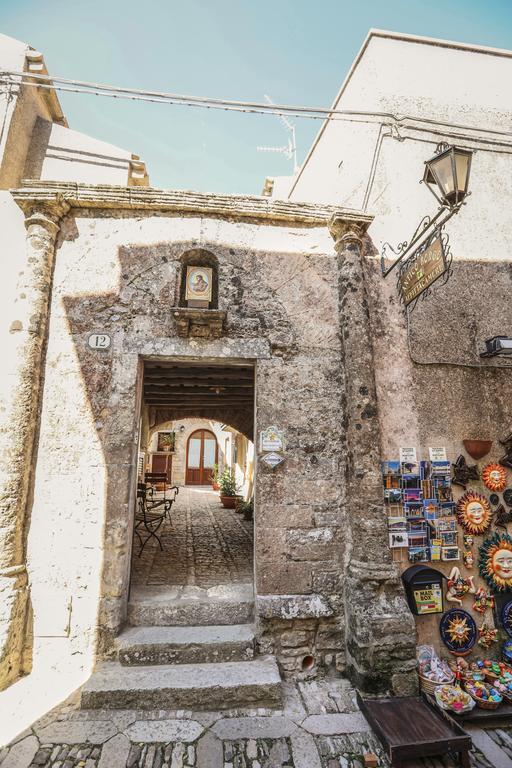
<point x="191" y="606"/>
<point x="184" y="686"/>
<point x="185" y="645"/>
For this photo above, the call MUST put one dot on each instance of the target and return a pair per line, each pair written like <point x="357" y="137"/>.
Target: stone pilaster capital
<point x="348" y="227"/>
<point x="44" y="213"/>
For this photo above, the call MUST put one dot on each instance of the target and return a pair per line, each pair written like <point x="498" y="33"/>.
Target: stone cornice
<point x="41" y="194"/>
<point x="347" y="227"/>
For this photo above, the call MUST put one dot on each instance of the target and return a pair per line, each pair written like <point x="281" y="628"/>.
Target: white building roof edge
<point x="405" y="37"/>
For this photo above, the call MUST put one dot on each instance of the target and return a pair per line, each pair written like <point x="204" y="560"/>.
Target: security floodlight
<point x="447" y="174"/>
<point x="498" y="345"/>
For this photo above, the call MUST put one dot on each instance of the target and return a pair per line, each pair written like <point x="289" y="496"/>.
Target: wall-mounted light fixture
<point x="182" y="428"/>
<point x="447" y="178"/>
<point x="498" y="345"/>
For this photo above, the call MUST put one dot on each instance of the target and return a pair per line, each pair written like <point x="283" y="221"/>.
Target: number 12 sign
<point x="99" y="341"/>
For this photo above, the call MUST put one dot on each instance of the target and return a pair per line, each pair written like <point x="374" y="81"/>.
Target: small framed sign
<point x="272" y="460"/>
<point x="271" y="439"/>
<point x="423" y="268"/>
<point x="99" y="341"/>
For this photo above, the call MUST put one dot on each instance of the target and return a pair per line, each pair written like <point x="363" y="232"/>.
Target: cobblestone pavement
<point x="318" y="727"/>
<point x="204" y="545"/>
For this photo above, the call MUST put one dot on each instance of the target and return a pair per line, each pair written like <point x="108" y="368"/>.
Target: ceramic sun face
<point x="474" y="512"/>
<point x="494" y="477"/>
<point x="458" y="631"/>
<point x="496" y="562"/>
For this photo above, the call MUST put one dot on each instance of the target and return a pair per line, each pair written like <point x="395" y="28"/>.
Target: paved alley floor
<point x="204" y="545"/>
<point x="318" y="727"/>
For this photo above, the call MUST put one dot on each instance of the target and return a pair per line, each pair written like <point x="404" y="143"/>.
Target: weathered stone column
<point x="380" y="633"/>
<point x="22" y="373"/>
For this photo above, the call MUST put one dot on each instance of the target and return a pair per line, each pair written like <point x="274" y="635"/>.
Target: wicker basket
<point x="484" y="704"/>
<point x="429" y="686"/>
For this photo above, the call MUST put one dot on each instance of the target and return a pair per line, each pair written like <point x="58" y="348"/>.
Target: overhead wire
<point x="14" y="77"/>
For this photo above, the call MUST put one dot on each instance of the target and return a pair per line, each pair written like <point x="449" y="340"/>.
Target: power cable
<point x="13" y="77"/>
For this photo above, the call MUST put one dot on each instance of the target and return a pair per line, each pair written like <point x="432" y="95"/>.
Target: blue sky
<point x="298" y="51"/>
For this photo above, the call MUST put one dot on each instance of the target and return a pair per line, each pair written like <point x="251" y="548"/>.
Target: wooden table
<point x="409" y="728"/>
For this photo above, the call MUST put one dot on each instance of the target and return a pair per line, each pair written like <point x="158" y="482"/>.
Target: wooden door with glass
<point x="201" y="457"/>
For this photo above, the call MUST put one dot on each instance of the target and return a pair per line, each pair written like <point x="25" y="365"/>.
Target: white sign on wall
<point x="272" y="460"/>
<point x="408" y="455"/>
<point x="99" y="341"/>
<point x="437" y="454"/>
<point x="271" y="439"/>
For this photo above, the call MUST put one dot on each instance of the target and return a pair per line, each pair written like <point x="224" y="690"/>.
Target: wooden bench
<point x="409" y="728"/>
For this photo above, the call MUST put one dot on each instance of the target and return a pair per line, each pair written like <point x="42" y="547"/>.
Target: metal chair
<point x="149" y="516"/>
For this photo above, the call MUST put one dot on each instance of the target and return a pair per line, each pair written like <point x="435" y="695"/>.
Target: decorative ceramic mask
<point x="463" y="473"/>
<point x="507" y="497"/>
<point x="496" y="562"/>
<point x="486" y="635"/>
<point x="483" y="600"/>
<point x="458" y="631"/>
<point x="458" y="587"/>
<point x="494" y="477"/>
<point x="468" y="540"/>
<point x="506" y="460"/>
<point x="474" y="512"/>
<point x="468" y="558"/>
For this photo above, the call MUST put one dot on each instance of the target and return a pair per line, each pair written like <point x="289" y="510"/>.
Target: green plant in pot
<point x="228" y="489"/>
<point x="215" y="477"/>
<point x="246" y="508"/>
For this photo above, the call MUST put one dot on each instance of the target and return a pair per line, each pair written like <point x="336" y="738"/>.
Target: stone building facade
<point x="300" y="302"/>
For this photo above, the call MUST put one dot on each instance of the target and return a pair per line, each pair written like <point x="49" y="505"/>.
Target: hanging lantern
<point x="447" y="174"/>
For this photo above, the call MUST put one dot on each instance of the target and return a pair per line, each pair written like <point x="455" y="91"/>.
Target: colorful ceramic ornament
<point x="468" y="540"/>
<point x="462" y="473"/>
<point x="458" y="631"/>
<point x="494" y="477"/>
<point x="486" y="635"/>
<point x="506" y="460"/>
<point x="468" y="558"/>
<point x="502" y="517"/>
<point x="507" y="497"/>
<point x="496" y="562"/>
<point x="458" y="587"/>
<point x="473" y="512"/>
<point x="483" y="600"/>
<point x="506" y="618"/>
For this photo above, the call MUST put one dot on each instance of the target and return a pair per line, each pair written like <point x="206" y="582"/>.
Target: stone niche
<point x="198" y="322"/>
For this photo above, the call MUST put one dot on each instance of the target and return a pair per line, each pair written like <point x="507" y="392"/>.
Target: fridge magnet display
<point x="502" y="517"/>
<point x="474" y="512"/>
<point x="483" y="600"/>
<point x="494" y="477"/>
<point x="486" y="635"/>
<point x="496" y="562"/>
<point x="463" y="473"/>
<point x="458" y="631"/>
<point x="458" y="586"/>
<point x="506" y="618"/>
<point x="450" y="553"/>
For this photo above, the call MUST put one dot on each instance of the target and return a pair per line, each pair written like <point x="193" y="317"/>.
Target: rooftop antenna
<point x="290" y="150"/>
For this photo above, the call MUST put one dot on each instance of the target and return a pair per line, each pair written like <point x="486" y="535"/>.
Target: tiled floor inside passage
<point x="204" y="545"/>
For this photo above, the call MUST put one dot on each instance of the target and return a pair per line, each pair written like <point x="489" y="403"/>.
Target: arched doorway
<point x="201" y="457"/>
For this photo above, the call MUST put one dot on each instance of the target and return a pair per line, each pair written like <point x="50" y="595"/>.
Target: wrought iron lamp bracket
<point x="424" y="229"/>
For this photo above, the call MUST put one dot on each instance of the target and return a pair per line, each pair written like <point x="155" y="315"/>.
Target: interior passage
<point x="204" y="545"/>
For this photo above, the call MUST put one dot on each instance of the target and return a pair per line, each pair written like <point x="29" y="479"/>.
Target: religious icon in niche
<point x="458" y="631"/>
<point x="463" y="473"/>
<point x="199" y="284"/>
<point x="496" y="562"/>
<point x="474" y="512"/>
<point x="494" y="477"/>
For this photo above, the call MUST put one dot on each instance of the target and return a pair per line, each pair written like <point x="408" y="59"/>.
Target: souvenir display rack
<point x="421" y="510"/>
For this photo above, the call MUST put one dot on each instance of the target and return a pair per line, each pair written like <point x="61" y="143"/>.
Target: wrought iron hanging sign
<point x="427" y="264"/>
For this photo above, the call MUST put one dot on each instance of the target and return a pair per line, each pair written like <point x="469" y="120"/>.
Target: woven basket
<point x="429" y="686"/>
<point x="484" y="704"/>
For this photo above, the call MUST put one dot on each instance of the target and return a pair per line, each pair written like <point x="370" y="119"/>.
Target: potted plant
<point x="215" y="477"/>
<point x="246" y="508"/>
<point x="228" y="489"/>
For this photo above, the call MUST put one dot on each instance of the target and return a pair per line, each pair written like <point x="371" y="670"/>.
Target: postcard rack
<point x="420" y="510"/>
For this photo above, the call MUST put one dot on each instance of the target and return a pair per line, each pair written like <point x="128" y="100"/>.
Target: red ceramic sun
<point x="474" y="512"/>
<point x="494" y="477"/>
